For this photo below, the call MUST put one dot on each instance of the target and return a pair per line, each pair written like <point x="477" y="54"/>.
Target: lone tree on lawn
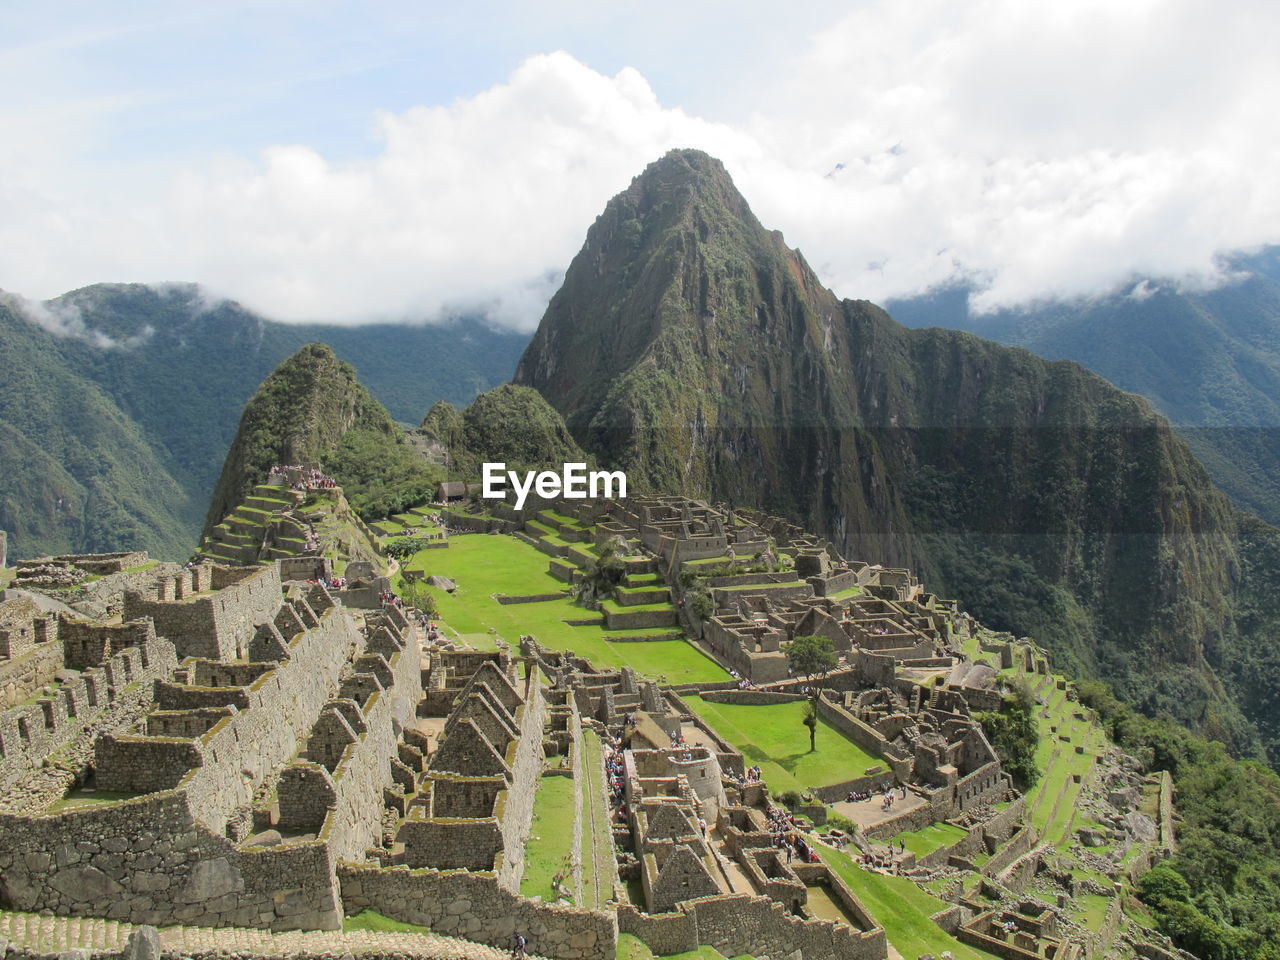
<point x="812" y="656"/>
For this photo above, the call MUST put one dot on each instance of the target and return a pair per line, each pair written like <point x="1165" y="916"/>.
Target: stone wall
<point x="736" y="924"/>
<point x="860" y="733"/>
<point x="1005" y="822"/>
<point x="305" y="568"/>
<point x="1168" y="839"/>
<point x="725" y="597"/>
<point x="835" y="792"/>
<point x="168" y="857"/>
<point x="980" y="787"/>
<point x="355" y="822"/>
<point x="530" y="597"/>
<point x="218" y="625"/>
<point x="836" y="583"/>
<point x="30" y="733"/>
<point x="452" y="843"/>
<point x="637" y="619"/>
<point x="86" y="644"/>
<point x="28" y="673"/>
<point x="751" y="697"/>
<point x="1021" y="843"/>
<point x="524" y="757"/>
<point x="149" y="861"/>
<point x="475" y="906"/>
<point x="226" y="764"/>
<point x="917" y="818"/>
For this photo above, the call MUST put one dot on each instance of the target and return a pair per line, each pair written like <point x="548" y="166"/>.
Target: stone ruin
<point x="242" y="747"/>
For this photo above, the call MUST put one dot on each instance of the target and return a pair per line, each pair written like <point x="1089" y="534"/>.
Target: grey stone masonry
<point x="217" y="621"/>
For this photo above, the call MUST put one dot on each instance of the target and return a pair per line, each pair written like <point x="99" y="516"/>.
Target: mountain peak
<point x="675" y="265"/>
<point x="298" y="415"/>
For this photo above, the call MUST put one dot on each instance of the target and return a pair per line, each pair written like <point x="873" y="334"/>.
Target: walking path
<point x="599" y="866"/>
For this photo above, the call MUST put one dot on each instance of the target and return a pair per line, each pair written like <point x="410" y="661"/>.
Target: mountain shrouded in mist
<point x="119" y="402"/>
<point x="691" y="347"/>
<point x="1209" y="360"/>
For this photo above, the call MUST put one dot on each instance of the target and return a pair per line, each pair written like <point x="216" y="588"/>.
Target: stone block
<point x="211" y="879"/>
<point x="84" y="883"/>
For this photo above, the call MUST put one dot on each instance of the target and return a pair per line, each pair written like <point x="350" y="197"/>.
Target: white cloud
<point x="64" y="319"/>
<point x="1049" y="149"/>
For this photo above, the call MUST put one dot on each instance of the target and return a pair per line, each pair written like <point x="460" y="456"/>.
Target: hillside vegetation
<point x="1209" y="360"/>
<point x="313" y="410"/>
<point x="174" y="369"/>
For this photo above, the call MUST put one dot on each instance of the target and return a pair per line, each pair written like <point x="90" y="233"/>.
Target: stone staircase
<point x="240" y="537"/>
<point x="51" y="936"/>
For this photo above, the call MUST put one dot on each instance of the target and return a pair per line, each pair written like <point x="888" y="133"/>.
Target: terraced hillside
<point x="1076" y="841"/>
<point x="275" y="522"/>
<point x="507" y="587"/>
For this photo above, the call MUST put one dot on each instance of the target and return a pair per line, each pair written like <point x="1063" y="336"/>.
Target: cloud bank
<point x="1038" y="150"/>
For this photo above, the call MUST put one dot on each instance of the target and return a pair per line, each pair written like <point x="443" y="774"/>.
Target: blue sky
<point x="351" y="162"/>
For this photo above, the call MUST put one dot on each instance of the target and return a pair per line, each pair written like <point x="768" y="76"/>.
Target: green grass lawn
<point x="774" y="736"/>
<point x="485" y="564"/>
<point x="376" y="922"/>
<point x="1058" y="772"/>
<point x="847" y="594"/>
<point x="1091" y="910"/>
<point x="632" y="948"/>
<point x="928" y="839"/>
<point x="77" y="798"/>
<point x="566" y="521"/>
<point x="614" y="607"/>
<point x="902" y="908"/>
<point x="482" y="564"/>
<point x="550" y="845"/>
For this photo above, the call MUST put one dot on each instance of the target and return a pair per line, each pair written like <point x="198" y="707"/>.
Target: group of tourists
<point x="795" y="847"/>
<point x="308" y="478"/>
<point x="615" y="770"/>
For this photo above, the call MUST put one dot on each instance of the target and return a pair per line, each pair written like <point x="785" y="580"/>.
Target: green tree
<point x="602" y="575"/>
<point x="699" y="603"/>
<point x="812" y="656"/>
<point x="811" y="721"/>
<point x="402" y="547"/>
<point x="1161" y="883"/>
<point x="418" y="595"/>
<point x="1013" y="733"/>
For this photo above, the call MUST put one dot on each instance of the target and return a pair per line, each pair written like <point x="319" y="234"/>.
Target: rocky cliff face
<point x="690" y="346"/>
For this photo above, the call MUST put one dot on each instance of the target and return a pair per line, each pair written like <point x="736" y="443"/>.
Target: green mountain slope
<point x="180" y="371"/>
<point x="509" y="424"/>
<point x="691" y="347"/>
<point x="312" y="409"/>
<point x="78" y="473"/>
<point x="1209" y="360"/>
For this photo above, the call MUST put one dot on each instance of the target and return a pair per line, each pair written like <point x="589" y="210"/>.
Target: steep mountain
<point x="312" y="409"/>
<point x="1207" y="360"/>
<point x="177" y="368"/>
<point x="691" y="347"/>
<point x="76" y="472"/>
<point x="509" y="424"/>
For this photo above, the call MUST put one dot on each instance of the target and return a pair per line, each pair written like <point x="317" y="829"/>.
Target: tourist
<point x="519" y="946"/>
